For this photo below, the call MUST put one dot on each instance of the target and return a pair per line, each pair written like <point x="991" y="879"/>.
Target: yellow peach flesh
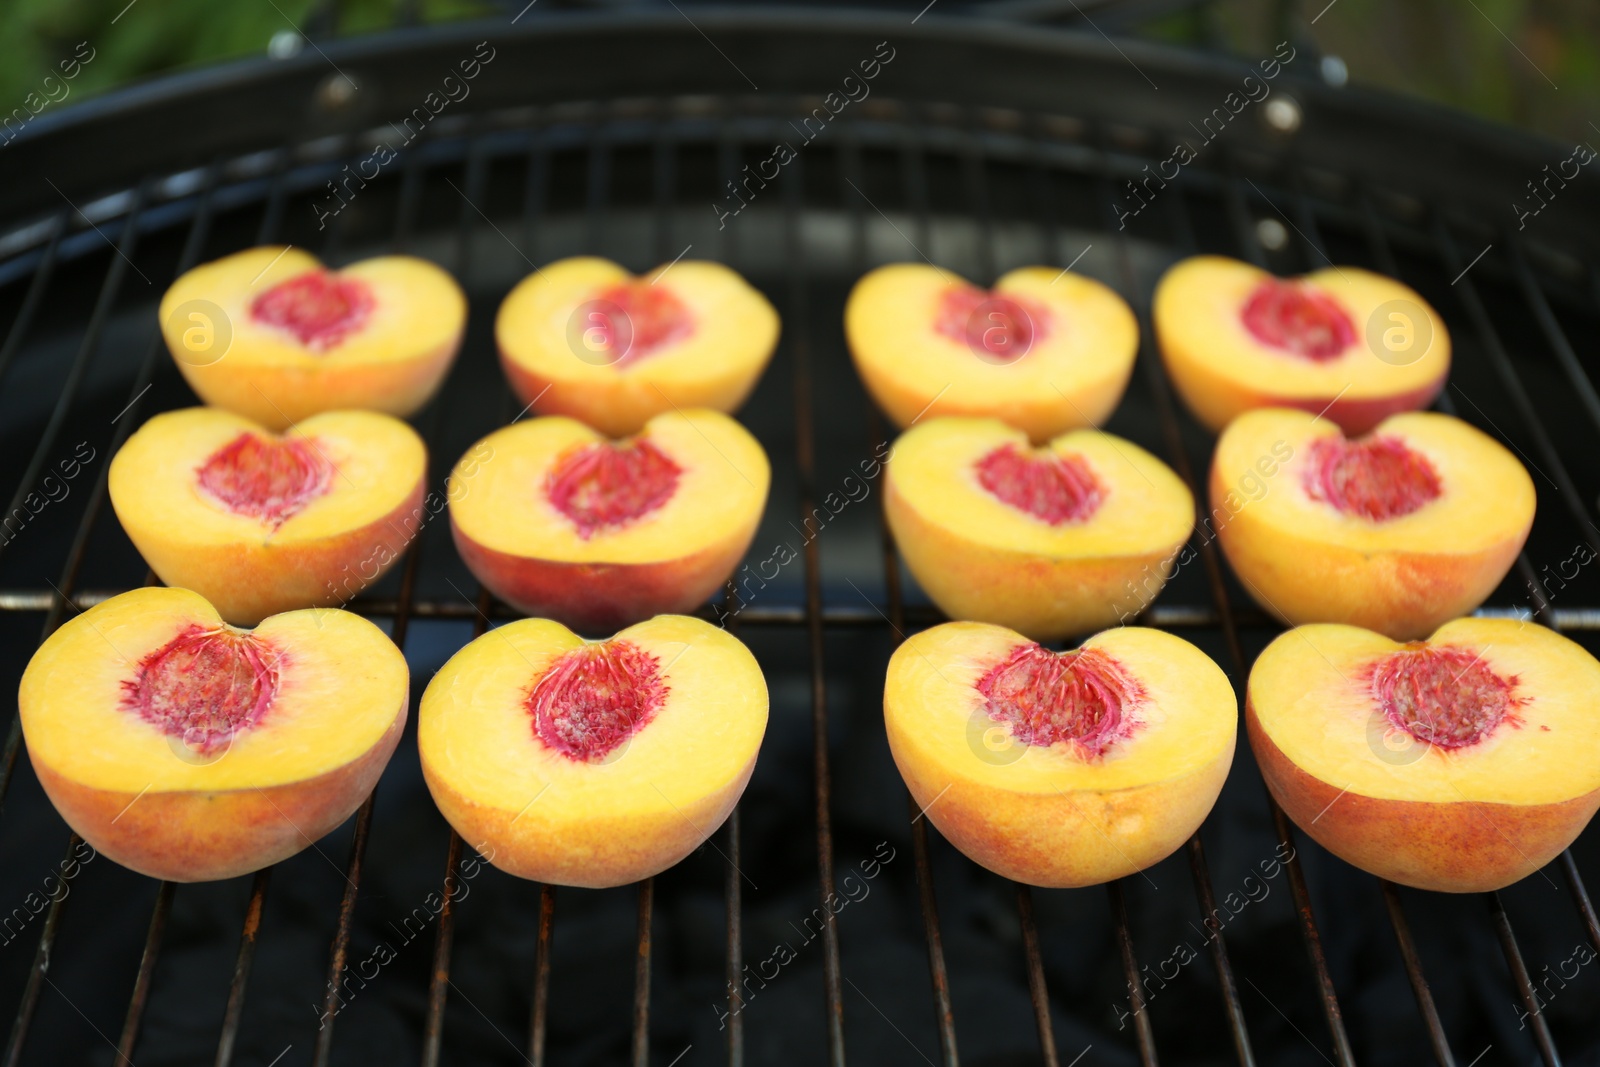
<point x="1304" y="560"/>
<point x="983" y="559"/>
<point x="1222" y="370"/>
<point x="393" y="363"/>
<point x="1466" y="819"/>
<point x="541" y="814"/>
<point x="1045" y="815"/>
<point x="1072" y="377"/>
<point x="249" y="568"/>
<point x="540" y="331"/>
<point x="144" y="798"/>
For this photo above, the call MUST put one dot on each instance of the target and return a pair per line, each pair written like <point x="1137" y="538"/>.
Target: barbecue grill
<point x="981" y="146"/>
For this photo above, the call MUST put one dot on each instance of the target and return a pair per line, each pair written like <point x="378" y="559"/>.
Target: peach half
<point x="1398" y="531"/>
<point x="259" y="523"/>
<point x="1060" y="769"/>
<point x="1066" y="539"/>
<point x="1459" y="764"/>
<point x="1346" y="342"/>
<point x="592" y="763"/>
<point x="270" y="334"/>
<point x="1045" y="351"/>
<point x="584" y="338"/>
<point x="562" y="523"/>
<point x="188" y="750"/>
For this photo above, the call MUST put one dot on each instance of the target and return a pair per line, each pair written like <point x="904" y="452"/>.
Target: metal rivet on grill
<point x="336" y="92"/>
<point x="1282" y="114"/>
<point x="1272" y="235"/>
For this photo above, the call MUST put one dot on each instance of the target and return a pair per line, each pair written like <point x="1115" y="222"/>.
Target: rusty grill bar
<point x="902" y="138"/>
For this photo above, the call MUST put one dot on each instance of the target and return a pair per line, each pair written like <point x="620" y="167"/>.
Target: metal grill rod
<point x="338" y="953"/>
<point x="1038" y="992"/>
<point x="805" y="462"/>
<point x="1524" y="985"/>
<point x="1167" y="416"/>
<point x="444" y="939"/>
<point x="1130" y="969"/>
<point x="1419" y="984"/>
<point x="915" y="186"/>
<point x="249" y="934"/>
<point x="1239" y="214"/>
<point x="37" y="973"/>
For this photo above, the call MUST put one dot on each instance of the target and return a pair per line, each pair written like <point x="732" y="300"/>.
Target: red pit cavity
<point x="635" y="319"/>
<point x="605" y="485"/>
<point x="268" y="479"/>
<point x="1298" y="319"/>
<point x="1442" y="696"/>
<point x="596" y="697"/>
<point x="1083" y="698"/>
<point x="1377" y="478"/>
<point x="204" y="686"/>
<point x="1056" y="489"/>
<point x="998" y="328"/>
<point x="320" y="309"/>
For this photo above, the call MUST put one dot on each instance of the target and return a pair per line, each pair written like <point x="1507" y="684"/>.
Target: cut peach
<point x="272" y="335"/>
<point x="583" y="337"/>
<point x="257" y="523"/>
<point x="561" y="523"/>
<point x="1345" y="342"/>
<point x="1397" y="532"/>
<point x="188" y="750"/>
<point x="1460" y="764"/>
<point x="1045" y="351"/>
<point x="1066" y="539"/>
<point x="592" y="763"/>
<point x="1060" y="769"/>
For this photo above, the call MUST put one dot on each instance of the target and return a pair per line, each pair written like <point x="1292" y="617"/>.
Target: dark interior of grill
<point x="925" y="956"/>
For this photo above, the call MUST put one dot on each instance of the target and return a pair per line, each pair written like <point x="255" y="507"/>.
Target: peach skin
<point x="1397" y="532"/>
<point x="1065" y="539"/>
<point x="1045" y="351"/>
<point x="592" y="763"/>
<point x="272" y="335"/>
<point x="259" y="523"/>
<point x="560" y="522"/>
<point x="1458" y="764"/>
<point x="584" y="338"/>
<point x="190" y="751"/>
<point x="1344" y="342"/>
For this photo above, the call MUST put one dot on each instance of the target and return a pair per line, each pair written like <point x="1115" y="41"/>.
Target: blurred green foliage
<point x="157" y="36"/>
<point x="1533" y="63"/>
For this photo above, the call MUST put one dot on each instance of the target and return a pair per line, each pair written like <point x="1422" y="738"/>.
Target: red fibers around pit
<point x="999" y="328"/>
<point x="594" y="698"/>
<point x="1298" y="319"/>
<point x="1057" y="489"/>
<point x="1442" y="696"/>
<point x="1376" y="478"/>
<point x="320" y="309"/>
<point x="271" y="479"/>
<point x="1083" y="698"/>
<point x="647" y="318"/>
<point x="604" y="485"/>
<point x="204" y="686"/>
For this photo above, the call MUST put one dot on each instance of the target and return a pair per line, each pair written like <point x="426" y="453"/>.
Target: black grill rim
<point x="1423" y="150"/>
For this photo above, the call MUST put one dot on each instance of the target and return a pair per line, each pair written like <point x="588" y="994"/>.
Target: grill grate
<point x="897" y="180"/>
